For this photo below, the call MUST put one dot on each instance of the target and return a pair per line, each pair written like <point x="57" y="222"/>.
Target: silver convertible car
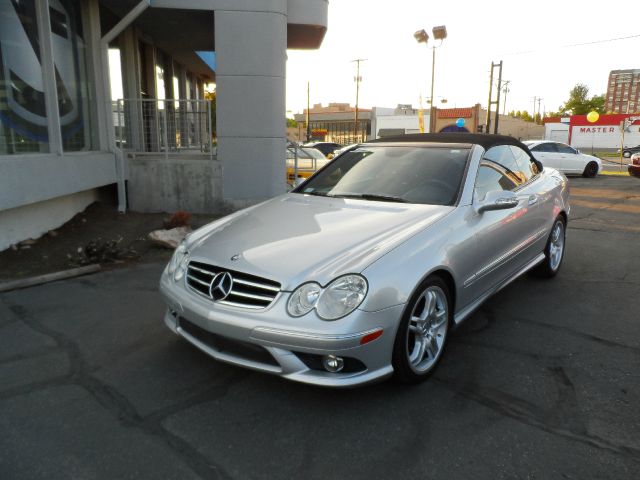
<point x="361" y="272"/>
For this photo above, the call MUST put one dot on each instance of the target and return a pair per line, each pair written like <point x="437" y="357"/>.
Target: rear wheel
<point x="422" y="334"/>
<point x="626" y="154"/>
<point x="554" y="251"/>
<point x="591" y="170"/>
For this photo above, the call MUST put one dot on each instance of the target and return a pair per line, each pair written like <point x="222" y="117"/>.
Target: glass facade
<point x="69" y="56"/>
<point x="23" y="93"/>
<point x="23" y="118"/>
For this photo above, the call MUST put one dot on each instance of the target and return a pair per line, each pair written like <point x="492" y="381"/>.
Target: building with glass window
<point x="623" y="91"/>
<point x="66" y="138"/>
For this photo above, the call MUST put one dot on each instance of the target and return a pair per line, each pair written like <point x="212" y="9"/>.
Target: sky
<point x="532" y="39"/>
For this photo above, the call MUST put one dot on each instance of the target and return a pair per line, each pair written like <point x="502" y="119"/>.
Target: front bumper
<point x="271" y="341"/>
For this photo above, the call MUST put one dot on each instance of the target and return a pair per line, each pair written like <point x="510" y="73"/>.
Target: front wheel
<point x="423" y="330"/>
<point x="591" y="170"/>
<point x="626" y="154"/>
<point x="554" y="251"/>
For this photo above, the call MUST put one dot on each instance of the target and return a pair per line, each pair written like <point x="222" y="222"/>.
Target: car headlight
<point x="339" y="298"/>
<point x="178" y="264"/>
<point x="303" y="299"/>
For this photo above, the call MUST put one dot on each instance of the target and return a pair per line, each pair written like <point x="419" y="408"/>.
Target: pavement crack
<point x="531" y="415"/>
<point x="577" y="333"/>
<point x="109" y="398"/>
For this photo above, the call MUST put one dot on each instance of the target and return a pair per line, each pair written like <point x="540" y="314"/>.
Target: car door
<point x="570" y="159"/>
<point x="548" y="154"/>
<point x="503" y="237"/>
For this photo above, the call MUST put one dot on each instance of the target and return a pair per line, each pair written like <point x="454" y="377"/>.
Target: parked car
<point x="564" y="158"/>
<point x="325" y="147"/>
<point x="628" y="151"/>
<point x="634" y="165"/>
<point x="403" y="239"/>
<point x="309" y="161"/>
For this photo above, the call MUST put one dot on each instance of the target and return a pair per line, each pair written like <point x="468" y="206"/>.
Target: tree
<point x="291" y="123"/>
<point x="579" y="102"/>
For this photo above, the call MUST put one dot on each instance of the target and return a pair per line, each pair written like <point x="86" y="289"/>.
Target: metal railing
<point x="163" y="126"/>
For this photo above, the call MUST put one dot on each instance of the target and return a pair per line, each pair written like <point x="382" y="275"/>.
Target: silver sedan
<point x="362" y="271"/>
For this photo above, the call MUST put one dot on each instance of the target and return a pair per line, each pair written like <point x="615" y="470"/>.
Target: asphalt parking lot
<point x="542" y="382"/>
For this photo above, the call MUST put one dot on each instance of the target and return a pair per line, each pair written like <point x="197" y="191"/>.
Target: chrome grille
<point x="247" y="291"/>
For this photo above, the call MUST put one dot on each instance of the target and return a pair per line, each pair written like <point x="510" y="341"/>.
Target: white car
<point x="564" y="158"/>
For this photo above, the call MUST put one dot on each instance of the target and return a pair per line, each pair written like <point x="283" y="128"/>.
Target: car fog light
<point x="332" y="364"/>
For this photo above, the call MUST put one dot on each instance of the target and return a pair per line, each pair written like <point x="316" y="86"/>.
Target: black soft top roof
<point x="485" y="139"/>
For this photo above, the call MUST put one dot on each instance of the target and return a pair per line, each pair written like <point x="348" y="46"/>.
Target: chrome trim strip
<point x="465" y="312"/>
<point x="256" y="285"/>
<point x="503" y="258"/>
<point x="198" y="281"/>
<point x="251" y="296"/>
<point x="197" y="269"/>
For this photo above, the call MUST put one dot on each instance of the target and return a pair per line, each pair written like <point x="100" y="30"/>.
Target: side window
<point x="490" y="178"/>
<point x="562" y="148"/>
<point x="545" y="147"/>
<point x="503" y="157"/>
<point x="525" y="164"/>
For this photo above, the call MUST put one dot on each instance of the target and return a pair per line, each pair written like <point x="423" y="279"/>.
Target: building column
<point x="250" y="79"/>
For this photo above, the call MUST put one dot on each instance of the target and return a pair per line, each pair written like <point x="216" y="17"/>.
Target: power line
<point x="595" y="42"/>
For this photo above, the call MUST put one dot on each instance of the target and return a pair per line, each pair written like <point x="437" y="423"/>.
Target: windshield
<point x="409" y="174"/>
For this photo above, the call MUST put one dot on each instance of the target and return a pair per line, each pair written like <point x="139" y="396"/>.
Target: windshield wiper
<point x="371" y="196"/>
<point x="316" y="193"/>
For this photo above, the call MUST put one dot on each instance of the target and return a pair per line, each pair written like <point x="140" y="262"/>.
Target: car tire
<point x="591" y="170"/>
<point x="553" y="251"/>
<point x="626" y="154"/>
<point x="422" y="335"/>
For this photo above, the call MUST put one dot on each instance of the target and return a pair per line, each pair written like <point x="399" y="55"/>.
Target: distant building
<point x="623" y="91"/>
<point x="335" y="123"/>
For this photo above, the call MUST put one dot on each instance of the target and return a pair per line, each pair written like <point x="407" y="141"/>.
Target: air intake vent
<point x="244" y="290"/>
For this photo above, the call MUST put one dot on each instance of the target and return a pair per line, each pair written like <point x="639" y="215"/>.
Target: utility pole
<point x="357" y="79"/>
<point x="505" y="90"/>
<point x="539" y="100"/>
<point x="491" y="101"/>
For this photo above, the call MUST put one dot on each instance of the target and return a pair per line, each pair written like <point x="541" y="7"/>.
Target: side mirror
<point x="497" y="200"/>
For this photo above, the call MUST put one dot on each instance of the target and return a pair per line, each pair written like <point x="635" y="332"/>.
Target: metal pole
<point x="621" y="143"/>
<point x="164" y="133"/>
<point x="433" y="76"/>
<point x="357" y="99"/>
<point x="495" y="128"/>
<point x="488" y="120"/>
<point x="210" y="129"/>
<point x="295" y="165"/>
<point x="308" y="107"/>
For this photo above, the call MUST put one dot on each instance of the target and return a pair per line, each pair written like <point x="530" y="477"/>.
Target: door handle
<point x="533" y="199"/>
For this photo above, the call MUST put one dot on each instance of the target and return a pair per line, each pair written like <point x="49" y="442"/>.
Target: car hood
<point x="295" y="238"/>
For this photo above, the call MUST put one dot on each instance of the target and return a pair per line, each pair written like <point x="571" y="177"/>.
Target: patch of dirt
<point x="98" y="235"/>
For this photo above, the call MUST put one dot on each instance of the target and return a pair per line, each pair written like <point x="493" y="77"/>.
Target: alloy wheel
<point x="427" y="330"/>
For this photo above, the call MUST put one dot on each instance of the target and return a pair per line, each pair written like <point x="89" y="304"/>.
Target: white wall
<point x="34" y="220"/>
<point x="558" y="132"/>
<point x="603" y="136"/>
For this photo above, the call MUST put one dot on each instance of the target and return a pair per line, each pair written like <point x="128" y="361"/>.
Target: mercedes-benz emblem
<point x="221" y="286"/>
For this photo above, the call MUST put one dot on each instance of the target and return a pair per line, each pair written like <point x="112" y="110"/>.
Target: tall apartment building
<point x="623" y="91"/>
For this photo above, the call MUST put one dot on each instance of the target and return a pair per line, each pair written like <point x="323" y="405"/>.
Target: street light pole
<point x="421" y="36"/>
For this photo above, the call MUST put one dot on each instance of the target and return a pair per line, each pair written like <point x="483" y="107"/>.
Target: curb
<point x="49" y="277"/>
